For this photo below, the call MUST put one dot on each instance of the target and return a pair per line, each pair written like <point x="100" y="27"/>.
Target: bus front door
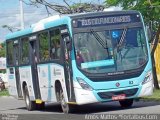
<point x="34" y="60"/>
<point x="67" y="67"/>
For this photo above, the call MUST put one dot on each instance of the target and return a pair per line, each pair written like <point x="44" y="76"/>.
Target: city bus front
<point x="111" y="58"/>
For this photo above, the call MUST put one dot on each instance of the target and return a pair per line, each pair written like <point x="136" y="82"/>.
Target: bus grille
<point x="108" y="95"/>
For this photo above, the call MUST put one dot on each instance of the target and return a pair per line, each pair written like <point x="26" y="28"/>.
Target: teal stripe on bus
<point x="29" y="66"/>
<point x="19" y="33"/>
<point x="49" y="83"/>
<point x="11" y="76"/>
<point x="58" y="22"/>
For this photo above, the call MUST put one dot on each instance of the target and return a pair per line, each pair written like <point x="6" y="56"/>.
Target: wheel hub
<point x="27" y="100"/>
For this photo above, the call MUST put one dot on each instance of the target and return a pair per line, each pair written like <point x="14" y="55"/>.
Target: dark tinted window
<point x="24" y="51"/>
<point x="55" y="44"/>
<point x="10" y="53"/>
<point x="44" y="46"/>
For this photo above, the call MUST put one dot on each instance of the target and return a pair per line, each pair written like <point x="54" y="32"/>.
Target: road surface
<point x="9" y="105"/>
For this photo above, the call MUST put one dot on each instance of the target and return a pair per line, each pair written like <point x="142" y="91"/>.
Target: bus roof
<point x="41" y="25"/>
<point x="57" y="20"/>
<point x="90" y="14"/>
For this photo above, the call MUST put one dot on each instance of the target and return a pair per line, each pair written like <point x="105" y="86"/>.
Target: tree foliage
<point x="149" y="8"/>
<point x="2" y="50"/>
<point x="67" y="7"/>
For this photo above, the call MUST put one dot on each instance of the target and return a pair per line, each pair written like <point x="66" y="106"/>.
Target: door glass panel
<point x="55" y="44"/>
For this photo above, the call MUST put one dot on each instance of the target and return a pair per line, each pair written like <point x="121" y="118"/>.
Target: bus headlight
<point x="83" y="84"/>
<point x="147" y="78"/>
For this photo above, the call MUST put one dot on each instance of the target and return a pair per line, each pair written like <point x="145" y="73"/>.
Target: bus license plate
<point x="119" y="97"/>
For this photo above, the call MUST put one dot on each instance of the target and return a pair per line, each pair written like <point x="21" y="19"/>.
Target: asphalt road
<point x="9" y="105"/>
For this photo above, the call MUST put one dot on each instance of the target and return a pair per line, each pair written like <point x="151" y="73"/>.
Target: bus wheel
<point x="30" y="105"/>
<point x="126" y="103"/>
<point x="65" y="106"/>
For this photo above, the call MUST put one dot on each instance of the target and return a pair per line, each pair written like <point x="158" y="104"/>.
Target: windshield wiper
<point x="99" y="39"/>
<point x="122" y="38"/>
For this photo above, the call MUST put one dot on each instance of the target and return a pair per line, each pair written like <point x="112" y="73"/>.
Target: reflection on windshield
<point x="110" y="50"/>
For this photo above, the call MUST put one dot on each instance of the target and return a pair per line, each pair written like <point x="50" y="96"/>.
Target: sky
<point x="10" y="14"/>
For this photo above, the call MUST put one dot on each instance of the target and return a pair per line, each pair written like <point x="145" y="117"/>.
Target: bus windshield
<point x="112" y="50"/>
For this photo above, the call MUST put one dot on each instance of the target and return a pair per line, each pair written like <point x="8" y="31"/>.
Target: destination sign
<point x="106" y="20"/>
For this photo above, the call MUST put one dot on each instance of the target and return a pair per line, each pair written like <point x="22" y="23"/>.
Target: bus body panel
<point x="48" y="74"/>
<point x="12" y="82"/>
<point x="44" y="81"/>
<point x="83" y="96"/>
<point x="57" y="73"/>
<point x="26" y="76"/>
<point x="146" y="89"/>
<point x="110" y="86"/>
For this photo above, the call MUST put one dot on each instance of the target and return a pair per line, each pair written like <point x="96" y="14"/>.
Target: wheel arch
<point x="58" y="86"/>
<point x="23" y="87"/>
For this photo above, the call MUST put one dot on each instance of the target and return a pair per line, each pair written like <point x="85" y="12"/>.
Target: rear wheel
<point x="126" y="103"/>
<point x="65" y="106"/>
<point x="30" y="105"/>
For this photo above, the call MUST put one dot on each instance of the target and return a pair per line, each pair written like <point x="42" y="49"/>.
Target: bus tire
<point x="66" y="108"/>
<point x="126" y="103"/>
<point x="30" y="105"/>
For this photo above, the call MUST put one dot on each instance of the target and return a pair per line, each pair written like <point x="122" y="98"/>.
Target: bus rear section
<point x="112" y="60"/>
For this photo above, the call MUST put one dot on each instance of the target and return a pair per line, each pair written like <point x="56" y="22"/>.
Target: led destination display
<point x="106" y="20"/>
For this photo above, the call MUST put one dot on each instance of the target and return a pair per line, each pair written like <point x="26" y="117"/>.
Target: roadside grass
<point x="4" y="93"/>
<point x="154" y="97"/>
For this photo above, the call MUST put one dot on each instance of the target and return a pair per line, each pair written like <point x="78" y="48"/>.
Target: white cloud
<point x="113" y="8"/>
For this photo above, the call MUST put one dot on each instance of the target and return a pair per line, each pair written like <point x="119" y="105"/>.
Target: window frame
<point x="7" y="51"/>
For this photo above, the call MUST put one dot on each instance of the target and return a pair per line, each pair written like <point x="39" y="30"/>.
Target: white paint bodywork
<point x="48" y="74"/>
<point x="26" y="76"/>
<point x="40" y="25"/>
<point x="43" y="81"/>
<point x="12" y="83"/>
<point x="147" y="89"/>
<point x="83" y="96"/>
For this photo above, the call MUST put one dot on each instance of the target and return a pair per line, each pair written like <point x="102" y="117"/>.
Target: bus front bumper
<point x="86" y="96"/>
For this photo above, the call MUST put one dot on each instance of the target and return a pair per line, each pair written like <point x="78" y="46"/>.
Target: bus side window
<point x="25" y="51"/>
<point x="44" y="46"/>
<point x="55" y="51"/>
<point x="10" y="53"/>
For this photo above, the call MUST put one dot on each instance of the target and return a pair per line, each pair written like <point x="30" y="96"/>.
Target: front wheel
<point x="64" y="105"/>
<point x="126" y="103"/>
<point x="30" y="105"/>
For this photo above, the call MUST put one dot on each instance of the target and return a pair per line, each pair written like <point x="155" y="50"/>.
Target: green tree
<point x="68" y="6"/>
<point x="150" y="11"/>
<point x="2" y="50"/>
